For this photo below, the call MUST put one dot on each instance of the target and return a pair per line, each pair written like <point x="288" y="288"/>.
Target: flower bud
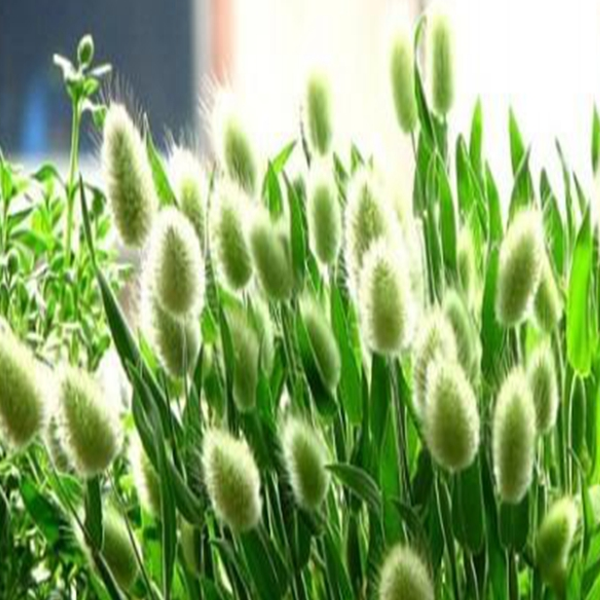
<point x="323" y="343"/>
<point x="544" y="387"/>
<point x="547" y="305"/>
<point x="270" y="251"/>
<point x="466" y="264"/>
<point x="403" y="81"/>
<point x="318" y="114"/>
<point x="22" y="404"/>
<point x="232" y="480"/>
<point x="385" y="300"/>
<point x="521" y="258"/>
<point x="231" y="250"/>
<point x="118" y="551"/>
<point x="128" y="177"/>
<point x="324" y="215"/>
<point x="451" y="416"/>
<point x="246" y="349"/>
<point x="91" y="431"/>
<point x="435" y="339"/>
<point x="145" y="477"/>
<point x="404" y="575"/>
<point x="441" y="54"/>
<point x="190" y="188"/>
<point x="85" y="50"/>
<point x="554" y="539"/>
<point x="175" y="264"/>
<point x="513" y="438"/>
<point x="305" y="457"/>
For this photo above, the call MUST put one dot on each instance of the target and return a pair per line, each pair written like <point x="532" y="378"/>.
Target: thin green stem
<point x="513" y="576"/>
<point x="72" y="177"/>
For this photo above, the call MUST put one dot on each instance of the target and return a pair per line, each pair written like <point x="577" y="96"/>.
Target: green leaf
<point x="476" y="141"/>
<point x="447" y="219"/>
<point x="517" y="147"/>
<point x="380" y="398"/>
<point x="494" y="208"/>
<point x="595" y="141"/>
<point x="271" y="192"/>
<point x="470" y="508"/>
<point x="522" y="192"/>
<point x="513" y="524"/>
<point x="553" y="223"/>
<point x="359" y="482"/>
<point x="93" y="512"/>
<point x="492" y="333"/>
<point x="163" y="188"/>
<point x="297" y="236"/>
<point x="45" y="514"/>
<point x="281" y="160"/>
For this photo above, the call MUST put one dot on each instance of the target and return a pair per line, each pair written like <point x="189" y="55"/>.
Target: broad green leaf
<point x="492" y="333"/>
<point x="513" y="524"/>
<point x="470" y="508"/>
<point x="159" y="173"/>
<point x="517" y="147"/>
<point x="494" y="209"/>
<point x="476" y="140"/>
<point x="359" y="482"/>
<point x="297" y="235"/>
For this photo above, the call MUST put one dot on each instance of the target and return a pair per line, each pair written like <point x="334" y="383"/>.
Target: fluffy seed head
<point x="190" y="188"/>
<point x="405" y="576"/>
<point x="451" y="416"/>
<point x="232" y="480"/>
<point x="264" y="328"/>
<point x="229" y="215"/>
<point x="128" y="177"/>
<point x="435" y="339"/>
<point x="385" y="300"/>
<point x="324" y="215"/>
<point x="89" y="422"/>
<point x="547" y="306"/>
<point x="21" y="397"/>
<point x="246" y="349"/>
<point x="467" y="270"/>
<point x="544" y="387"/>
<point x="554" y="538"/>
<point x="270" y="251"/>
<point x="403" y="82"/>
<point x="175" y="264"/>
<point x="305" y="458"/>
<point x="520" y="268"/>
<point x="323" y="343"/>
<point x="441" y="55"/>
<point x="513" y="437"/>
<point x="318" y="113"/>
<point x="145" y="477"/>
<point x="118" y="551"/>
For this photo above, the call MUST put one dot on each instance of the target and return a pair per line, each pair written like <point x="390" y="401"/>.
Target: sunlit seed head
<point x="324" y="215"/>
<point x="232" y="480"/>
<point x="404" y="575"/>
<point x="190" y="188"/>
<point x="403" y="81"/>
<point x="246" y="349"/>
<point x="441" y="62"/>
<point x="547" y="305"/>
<point x="191" y="547"/>
<point x="22" y="400"/>
<point x="118" y="551"/>
<point x="521" y="259"/>
<point x="435" y="339"/>
<point x="229" y="218"/>
<point x="323" y="343"/>
<point x="175" y="340"/>
<point x="305" y="457"/>
<point x="145" y="477"/>
<point x="318" y="113"/>
<point x="513" y="437"/>
<point x="271" y="256"/>
<point x="544" y="387"/>
<point x="266" y="335"/>
<point x="451" y="416"/>
<point x="555" y="537"/>
<point x="128" y="177"/>
<point x="89" y="422"/>
<point x="466" y="264"/>
<point x="385" y="300"/>
<point x="175" y="264"/>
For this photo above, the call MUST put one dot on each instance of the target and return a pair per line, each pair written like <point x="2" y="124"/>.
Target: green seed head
<point x="305" y="458"/>
<point x="190" y="188"/>
<point x="85" y="50"/>
<point x="467" y="269"/>
<point x="22" y="401"/>
<point x="554" y="539"/>
<point x="318" y="113"/>
<point x="118" y="551"/>
<point x="520" y="268"/>
<point x="468" y="345"/>
<point x="246" y="349"/>
<point x="191" y="547"/>
<point x="324" y="215"/>
<point x="547" y="306"/>
<point x="513" y="437"/>
<point x="89" y="422"/>
<point x="385" y="300"/>
<point x="544" y="387"/>
<point x="145" y="477"/>
<point x="404" y="576"/>
<point x="175" y="264"/>
<point x="441" y="55"/>
<point x="232" y="480"/>
<point x="451" y="416"/>
<point x="435" y="339"/>
<point x="229" y="217"/>
<point x="270" y="251"/>
<point x="128" y="177"/>
<point x="175" y="340"/>
<point x="323" y="343"/>
<point x="403" y="81"/>
<point x="264" y="328"/>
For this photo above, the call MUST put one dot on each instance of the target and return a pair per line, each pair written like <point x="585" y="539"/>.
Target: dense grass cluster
<point x="333" y="392"/>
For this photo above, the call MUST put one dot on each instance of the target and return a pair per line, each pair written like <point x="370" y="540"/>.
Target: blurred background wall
<point x="540" y="56"/>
